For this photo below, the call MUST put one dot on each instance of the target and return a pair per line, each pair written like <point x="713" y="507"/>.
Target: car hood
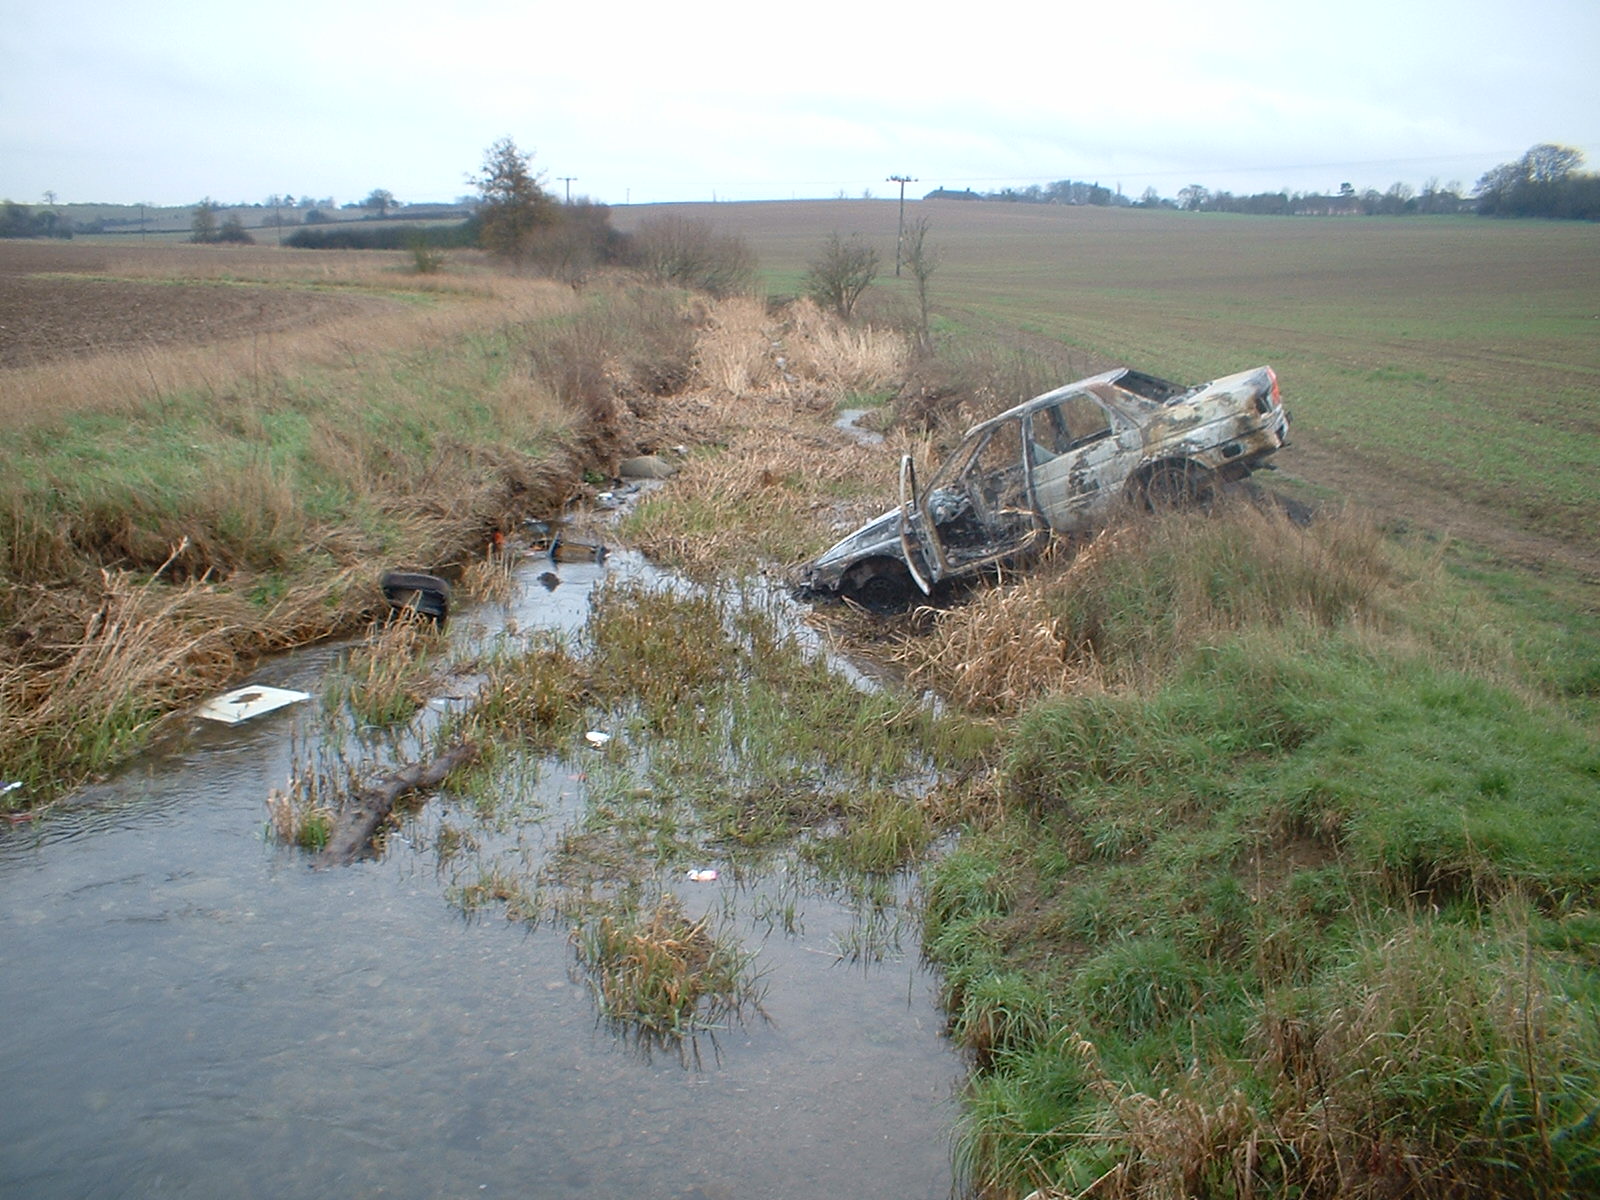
<point x="882" y="531"/>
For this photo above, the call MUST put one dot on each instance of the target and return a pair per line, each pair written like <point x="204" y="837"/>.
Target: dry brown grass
<point x="851" y="357"/>
<point x="1007" y="647"/>
<point x="143" y="648"/>
<point x="1116" y="613"/>
<point x="742" y="348"/>
<point x="766" y="387"/>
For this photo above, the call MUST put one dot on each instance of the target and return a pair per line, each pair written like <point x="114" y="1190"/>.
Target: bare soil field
<point x="57" y="302"/>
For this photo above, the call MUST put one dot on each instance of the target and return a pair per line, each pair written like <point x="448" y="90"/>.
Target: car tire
<point x="883" y="587"/>
<point x="1176" y="485"/>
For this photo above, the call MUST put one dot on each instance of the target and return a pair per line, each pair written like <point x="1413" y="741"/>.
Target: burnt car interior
<point x="983" y="507"/>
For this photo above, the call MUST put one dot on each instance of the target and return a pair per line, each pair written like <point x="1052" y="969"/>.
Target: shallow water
<point x="191" y="1010"/>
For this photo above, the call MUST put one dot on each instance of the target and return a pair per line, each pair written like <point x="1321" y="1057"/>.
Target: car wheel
<point x="1178" y="485"/>
<point x="883" y="587"/>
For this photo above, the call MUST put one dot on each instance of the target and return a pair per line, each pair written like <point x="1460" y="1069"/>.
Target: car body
<point x="1057" y="465"/>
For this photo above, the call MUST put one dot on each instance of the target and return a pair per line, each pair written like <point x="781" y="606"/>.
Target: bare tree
<point x="204" y="225"/>
<point x="841" y="273"/>
<point x="921" y="259"/>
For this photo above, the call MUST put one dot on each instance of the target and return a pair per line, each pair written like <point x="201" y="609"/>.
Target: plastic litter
<point x="10" y="787"/>
<point x="702" y="875"/>
<point x="241" y="704"/>
<point x="595" y="738"/>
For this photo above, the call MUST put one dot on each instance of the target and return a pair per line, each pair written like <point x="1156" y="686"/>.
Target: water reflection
<point x="193" y="1011"/>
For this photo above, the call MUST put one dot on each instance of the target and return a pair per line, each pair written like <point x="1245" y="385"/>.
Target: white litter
<point x="702" y="875"/>
<point x="595" y="738"/>
<point x="10" y="787"/>
<point x="243" y="703"/>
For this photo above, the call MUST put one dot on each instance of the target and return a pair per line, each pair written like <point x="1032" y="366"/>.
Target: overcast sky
<point x="642" y="101"/>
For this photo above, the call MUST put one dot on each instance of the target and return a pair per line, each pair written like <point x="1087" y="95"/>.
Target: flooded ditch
<point x="192" y="1010"/>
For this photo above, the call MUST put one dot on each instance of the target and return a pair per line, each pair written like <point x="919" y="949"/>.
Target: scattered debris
<point x="646" y="466"/>
<point x="595" y="738"/>
<point x="702" y="875"/>
<point x="414" y="592"/>
<point x="571" y="549"/>
<point x="243" y="703"/>
<point x="540" y="535"/>
<point x="358" y="821"/>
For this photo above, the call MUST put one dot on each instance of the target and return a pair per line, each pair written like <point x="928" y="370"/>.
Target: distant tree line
<point x="20" y="221"/>
<point x="1544" y="182"/>
<point x="355" y="236"/>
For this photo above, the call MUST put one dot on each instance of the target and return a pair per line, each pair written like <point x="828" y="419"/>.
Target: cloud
<point x="645" y="101"/>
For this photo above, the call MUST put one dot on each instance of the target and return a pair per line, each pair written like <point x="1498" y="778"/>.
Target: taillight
<point x="1267" y="402"/>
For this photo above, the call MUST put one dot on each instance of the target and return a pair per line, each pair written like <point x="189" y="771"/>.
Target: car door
<point x="977" y="509"/>
<point x="1081" y="451"/>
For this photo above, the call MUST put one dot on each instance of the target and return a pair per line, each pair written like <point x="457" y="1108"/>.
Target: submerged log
<point x="371" y="806"/>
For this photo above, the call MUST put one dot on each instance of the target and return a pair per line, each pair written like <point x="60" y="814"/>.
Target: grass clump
<point x="304" y="812"/>
<point x="385" y="680"/>
<point x="660" y="972"/>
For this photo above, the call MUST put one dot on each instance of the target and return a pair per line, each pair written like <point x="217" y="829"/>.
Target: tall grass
<point x="1119" y="611"/>
<point x="766" y="384"/>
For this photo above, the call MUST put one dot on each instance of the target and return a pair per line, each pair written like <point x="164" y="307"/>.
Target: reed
<point x="384" y="681"/>
<point x="658" y="971"/>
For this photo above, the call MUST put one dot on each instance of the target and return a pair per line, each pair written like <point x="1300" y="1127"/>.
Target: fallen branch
<point x="371" y="806"/>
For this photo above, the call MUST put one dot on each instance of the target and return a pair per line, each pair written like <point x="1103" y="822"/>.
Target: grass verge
<point x="1290" y="885"/>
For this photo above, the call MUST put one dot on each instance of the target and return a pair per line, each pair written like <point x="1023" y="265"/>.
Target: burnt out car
<point x="1057" y="465"/>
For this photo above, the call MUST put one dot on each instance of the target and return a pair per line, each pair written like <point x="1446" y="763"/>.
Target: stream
<point x="193" y="1011"/>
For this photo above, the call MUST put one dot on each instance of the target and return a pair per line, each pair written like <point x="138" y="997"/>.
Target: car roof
<point x="1046" y="398"/>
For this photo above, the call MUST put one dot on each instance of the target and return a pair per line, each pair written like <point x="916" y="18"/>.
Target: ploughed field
<point x="63" y="300"/>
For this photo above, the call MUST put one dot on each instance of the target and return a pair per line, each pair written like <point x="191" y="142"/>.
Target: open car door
<point x="922" y="553"/>
<point x="977" y="509"/>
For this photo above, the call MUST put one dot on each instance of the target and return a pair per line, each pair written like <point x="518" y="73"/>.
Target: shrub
<point x="689" y="253"/>
<point x="837" y="277"/>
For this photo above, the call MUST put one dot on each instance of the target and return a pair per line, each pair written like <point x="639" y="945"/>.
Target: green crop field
<point x="1459" y="355"/>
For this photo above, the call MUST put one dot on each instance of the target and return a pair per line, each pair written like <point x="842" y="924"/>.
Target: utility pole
<point x="900" y="236"/>
<point x="567" y="179"/>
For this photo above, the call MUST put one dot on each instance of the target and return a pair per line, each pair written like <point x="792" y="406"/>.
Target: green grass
<point x="1321" y="855"/>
